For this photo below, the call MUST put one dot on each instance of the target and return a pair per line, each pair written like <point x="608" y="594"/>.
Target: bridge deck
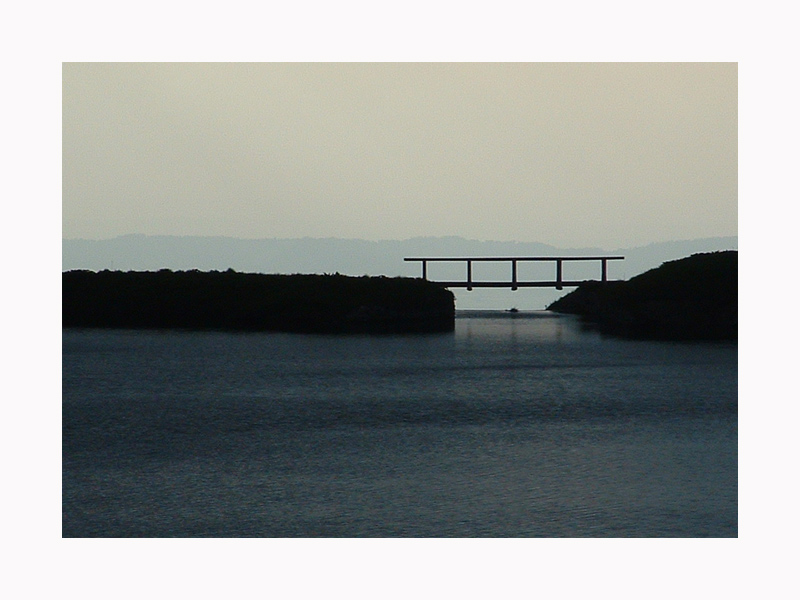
<point x="514" y="283"/>
<point x="510" y="284"/>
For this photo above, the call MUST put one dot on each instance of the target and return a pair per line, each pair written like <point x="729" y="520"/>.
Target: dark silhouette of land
<point x="230" y="300"/>
<point x="694" y="298"/>
<point x="361" y="257"/>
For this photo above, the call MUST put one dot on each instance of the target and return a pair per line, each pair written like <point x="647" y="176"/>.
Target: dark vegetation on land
<point x="254" y="302"/>
<point x="694" y="298"/>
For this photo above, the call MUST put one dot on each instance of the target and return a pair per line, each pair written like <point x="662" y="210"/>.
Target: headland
<point x="694" y="298"/>
<point x="229" y="300"/>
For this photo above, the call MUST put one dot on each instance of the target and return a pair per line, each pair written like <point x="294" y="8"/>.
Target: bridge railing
<point x="559" y="282"/>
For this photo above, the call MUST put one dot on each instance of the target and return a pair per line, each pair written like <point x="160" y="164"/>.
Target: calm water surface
<point x="512" y="426"/>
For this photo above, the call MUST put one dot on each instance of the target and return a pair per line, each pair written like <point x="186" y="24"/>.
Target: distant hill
<point x="695" y="298"/>
<point x="362" y="257"/>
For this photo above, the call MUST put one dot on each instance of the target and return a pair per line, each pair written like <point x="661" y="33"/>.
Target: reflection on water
<point x="543" y="325"/>
<point x="515" y="424"/>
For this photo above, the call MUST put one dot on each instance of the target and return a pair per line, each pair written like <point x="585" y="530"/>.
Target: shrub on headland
<point x="694" y="298"/>
<point x="252" y="302"/>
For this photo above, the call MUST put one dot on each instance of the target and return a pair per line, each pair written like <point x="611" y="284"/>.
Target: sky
<point x="570" y="154"/>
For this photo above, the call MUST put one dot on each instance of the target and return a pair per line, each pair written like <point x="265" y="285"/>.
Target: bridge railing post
<point x="559" y="277"/>
<point x="469" y="275"/>
<point x="513" y="275"/>
<point x="604" y="273"/>
<point x="424" y="269"/>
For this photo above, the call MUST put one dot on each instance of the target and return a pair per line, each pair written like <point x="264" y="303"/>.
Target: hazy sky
<point x="570" y="154"/>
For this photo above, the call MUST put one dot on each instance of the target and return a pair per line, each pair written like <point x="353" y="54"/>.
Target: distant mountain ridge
<point x="360" y="257"/>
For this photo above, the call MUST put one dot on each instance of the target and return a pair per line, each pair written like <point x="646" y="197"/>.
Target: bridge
<point x="514" y="283"/>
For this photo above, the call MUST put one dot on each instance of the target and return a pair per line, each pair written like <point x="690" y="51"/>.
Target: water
<point x="512" y="426"/>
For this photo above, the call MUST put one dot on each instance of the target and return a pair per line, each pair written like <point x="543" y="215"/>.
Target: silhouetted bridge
<point x="514" y="283"/>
